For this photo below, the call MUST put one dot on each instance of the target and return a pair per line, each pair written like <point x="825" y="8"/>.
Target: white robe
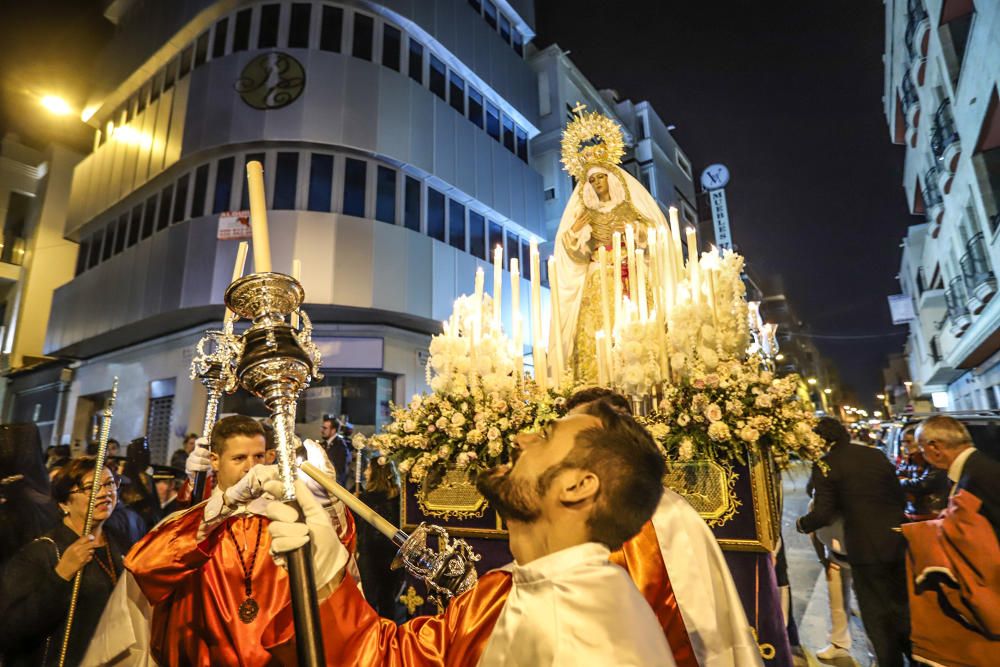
<point x="574" y="607"/>
<point x="706" y="595"/>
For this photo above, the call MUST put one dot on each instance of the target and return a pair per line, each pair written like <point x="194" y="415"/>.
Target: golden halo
<point x="591" y="137"/>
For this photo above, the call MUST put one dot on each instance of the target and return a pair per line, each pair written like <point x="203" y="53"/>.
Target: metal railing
<point x="932" y="193"/>
<point x="915" y="13"/>
<point x="943" y="130"/>
<point x="955" y="298"/>
<point x="975" y="263"/>
<point x="12" y="249"/>
<point x="909" y="93"/>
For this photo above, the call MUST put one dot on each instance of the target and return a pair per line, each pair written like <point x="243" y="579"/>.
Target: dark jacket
<point x="981" y="477"/>
<point x="340" y="456"/>
<point x="861" y="487"/>
<point x="34" y="601"/>
<point x="926" y="487"/>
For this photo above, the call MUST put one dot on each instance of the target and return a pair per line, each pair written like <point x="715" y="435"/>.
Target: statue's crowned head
<point x="591" y="138"/>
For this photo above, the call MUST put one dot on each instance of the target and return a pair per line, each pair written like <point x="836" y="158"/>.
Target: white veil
<point x="573" y="275"/>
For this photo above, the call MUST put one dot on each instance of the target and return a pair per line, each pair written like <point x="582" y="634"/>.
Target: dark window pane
<point x="121" y="234"/>
<point x="154" y="94"/>
<point x="491" y="14"/>
<point x="514" y="250"/>
<point x="143" y="98"/>
<point x="298" y="26"/>
<point x="241" y="31"/>
<point x="95" y="249"/>
<point x="135" y="226"/>
<point x="416" y="61"/>
<point x="267" y="38"/>
<point x="245" y="197"/>
<point x="364" y="26"/>
<point x="522" y="143"/>
<point x="201" y="50"/>
<point x="169" y="75"/>
<point x="475" y="107"/>
<point x="456" y="224"/>
<point x="149" y="217"/>
<point x="109" y="242"/>
<point x="411" y="212"/>
<point x="331" y="28"/>
<point x="392" y="41"/>
<point x="504" y="28"/>
<point x="219" y="38"/>
<point x="477" y="235"/>
<point x="385" y="195"/>
<point x="166" y="195"/>
<point x="285" y="177"/>
<point x="200" y="189"/>
<point x="223" y="185"/>
<point x="320" y="182"/>
<point x="129" y="106"/>
<point x="435" y="214"/>
<point x="518" y="43"/>
<point x="477" y="5"/>
<point x="81" y="257"/>
<point x="496" y="237"/>
<point x="187" y="58"/>
<point x="437" y="77"/>
<point x="526" y="259"/>
<point x="508" y="133"/>
<point x="493" y="121"/>
<point x="180" y="199"/>
<point x="354" y="187"/>
<point x="456" y="93"/>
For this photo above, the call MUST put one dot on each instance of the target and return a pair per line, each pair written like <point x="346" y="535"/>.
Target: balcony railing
<point x="12" y="249"/>
<point x="917" y="24"/>
<point x="944" y="137"/>
<point x="980" y="283"/>
<point x="935" y="350"/>
<point x="958" y="311"/>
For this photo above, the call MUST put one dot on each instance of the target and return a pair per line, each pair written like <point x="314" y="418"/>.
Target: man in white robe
<point x="579" y="487"/>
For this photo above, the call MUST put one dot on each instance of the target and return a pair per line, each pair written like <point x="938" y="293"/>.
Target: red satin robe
<point x="196" y="590"/>
<point x="354" y="634"/>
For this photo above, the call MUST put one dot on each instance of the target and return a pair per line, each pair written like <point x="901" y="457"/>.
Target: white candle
<point x="258" y="218"/>
<point x="497" y="284"/>
<point x="616" y="250"/>
<point x="297" y="274"/>
<point x="241" y="260"/>
<point x="693" y="277"/>
<point x="667" y="272"/>
<point x="515" y="312"/>
<point x="630" y="254"/>
<point x="537" y="349"/>
<point x="653" y="276"/>
<point x="640" y="262"/>
<point x="602" y="371"/>
<point x="478" y="322"/>
<point x="675" y="237"/>
<point x="555" y="323"/>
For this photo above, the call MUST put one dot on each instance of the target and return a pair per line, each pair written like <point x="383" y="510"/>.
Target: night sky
<point x="786" y="93"/>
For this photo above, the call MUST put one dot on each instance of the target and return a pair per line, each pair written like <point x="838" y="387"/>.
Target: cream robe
<point x="575" y="607"/>
<point x="706" y="594"/>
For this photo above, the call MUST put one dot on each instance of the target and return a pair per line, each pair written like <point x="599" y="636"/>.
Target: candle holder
<point x="448" y="572"/>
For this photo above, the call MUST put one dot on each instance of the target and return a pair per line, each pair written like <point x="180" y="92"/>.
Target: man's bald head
<point x="942" y="439"/>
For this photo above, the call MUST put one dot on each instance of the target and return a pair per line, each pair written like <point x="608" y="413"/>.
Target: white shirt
<point x="575" y="607"/>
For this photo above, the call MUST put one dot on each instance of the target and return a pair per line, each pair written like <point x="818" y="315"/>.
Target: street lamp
<point x="880" y="397"/>
<point x="56" y="105"/>
<point x="811" y="381"/>
<point x="828" y="391"/>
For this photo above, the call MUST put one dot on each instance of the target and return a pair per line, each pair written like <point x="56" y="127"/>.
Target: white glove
<point x="199" y="460"/>
<point x="288" y="533"/>
<point x="316" y="455"/>
<point x="222" y="505"/>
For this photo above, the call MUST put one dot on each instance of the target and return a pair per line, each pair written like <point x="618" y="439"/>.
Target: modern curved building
<point x="396" y="139"/>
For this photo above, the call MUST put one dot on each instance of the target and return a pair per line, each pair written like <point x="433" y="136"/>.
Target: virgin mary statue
<point x="606" y="199"/>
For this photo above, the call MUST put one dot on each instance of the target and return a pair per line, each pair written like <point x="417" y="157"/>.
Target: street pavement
<point x="809" y="593"/>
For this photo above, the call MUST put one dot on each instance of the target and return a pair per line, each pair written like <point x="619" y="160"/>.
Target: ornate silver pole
<point x="215" y="370"/>
<point x="88" y="522"/>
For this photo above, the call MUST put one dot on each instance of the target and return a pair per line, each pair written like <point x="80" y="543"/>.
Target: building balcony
<point x="958" y="311"/>
<point x="911" y="104"/>
<point x="918" y="28"/>
<point x="918" y="70"/>
<point x="980" y="282"/>
<point x="945" y="143"/>
<point x="932" y="195"/>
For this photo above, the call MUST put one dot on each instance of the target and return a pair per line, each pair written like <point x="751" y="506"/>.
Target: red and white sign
<point x="234" y="225"/>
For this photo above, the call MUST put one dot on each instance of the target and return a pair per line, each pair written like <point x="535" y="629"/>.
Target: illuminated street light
<point x="811" y="381"/>
<point x="877" y="413"/>
<point x="828" y="391"/>
<point x="56" y="105"/>
<point x="880" y="397"/>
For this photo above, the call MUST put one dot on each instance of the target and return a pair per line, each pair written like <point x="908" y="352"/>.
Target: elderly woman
<point x="38" y="581"/>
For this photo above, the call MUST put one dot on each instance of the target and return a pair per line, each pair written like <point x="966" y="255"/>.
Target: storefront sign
<point x="352" y="353"/>
<point x="271" y="81"/>
<point x="720" y="219"/>
<point x="234" y="225"/>
<point x="901" y="308"/>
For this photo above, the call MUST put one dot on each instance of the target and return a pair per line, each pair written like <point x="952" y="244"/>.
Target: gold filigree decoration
<point x="411" y="600"/>
<point x="710" y="487"/>
<point x="591" y="137"/>
<point x="454" y="498"/>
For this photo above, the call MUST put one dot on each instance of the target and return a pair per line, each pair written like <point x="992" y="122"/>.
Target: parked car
<point x="983" y="425"/>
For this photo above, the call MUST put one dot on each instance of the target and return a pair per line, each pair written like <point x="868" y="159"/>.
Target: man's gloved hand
<point x="288" y="533"/>
<point x="199" y="460"/>
<point x="222" y="505"/>
<point x="316" y="455"/>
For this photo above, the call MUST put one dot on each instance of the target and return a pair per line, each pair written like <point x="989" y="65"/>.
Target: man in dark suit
<point x="860" y="486"/>
<point x="946" y="444"/>
<point x="336" y="449"/>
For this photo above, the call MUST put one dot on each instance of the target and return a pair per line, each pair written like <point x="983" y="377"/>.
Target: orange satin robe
<point x="354" y="634"/>
<point x="196" y="590"/>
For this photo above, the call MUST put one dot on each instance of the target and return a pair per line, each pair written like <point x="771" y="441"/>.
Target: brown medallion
<point x="248" y="610"/>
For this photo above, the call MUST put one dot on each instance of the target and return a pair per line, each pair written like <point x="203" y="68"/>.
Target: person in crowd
<point x="337" y="449"/>
<point x="167" y="482"/>
<point x="946" y="444"/>
<point x="381" y="584"/>
<point x="137" y="492"/>
<point x="208" y="566"/>
<point x="179" y="457"/>
<point x="577" y="489"/>
<point x="58" y="457"/>
<point x="926" y="487"/>
<point x="829" y="544"/>
<point x="26" y="509"/>
<point x="860" y="485"/>
<point x="38" y="581"/>
<point x="113" y="448"/>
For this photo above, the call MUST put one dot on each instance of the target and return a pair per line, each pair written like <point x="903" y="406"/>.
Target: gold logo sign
<point x="271" y="81"/>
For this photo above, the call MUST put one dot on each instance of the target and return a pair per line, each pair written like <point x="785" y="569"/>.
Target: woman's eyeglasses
<point x="110" y="486"/>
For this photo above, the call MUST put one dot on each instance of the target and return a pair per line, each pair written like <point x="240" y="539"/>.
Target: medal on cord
<point x="248" y="608"/>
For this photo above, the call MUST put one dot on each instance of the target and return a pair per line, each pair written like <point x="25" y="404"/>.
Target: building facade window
<point x="392" y="42"/>
<point x="416" y="64"/>
<point x="355" y="181"/>
<point x="456" y="224"/>
<point x="201" y="50"/>
<point x="286" y="176"/>
<point x="166" y="195"/>
<point x="513" y="249"/>
<point x="490" y="13"/>
<point x="475" y="107"/>
<point x="437" y="81"/>
<point x="298" y="25"/>
<point x="522" y="143"/>
<point x="267" y="33"/>
<point x="508" y="134"/>
<point x="456" y="93"/>
<point x="331" y="29"/>
<point x="385" y="195"/>
<point x="411" y="204"/>
<point x="180" y="199"/>
<point x="364" y="38"/>
<point x="149" y="217"/>
<point x="223" y="185"/>
<point x="219" y="36"/>
<point x="95" y="249"/>
<point x="320" y="182"/>
<point x="121" y="233"/>
<point x="435" y="214"/>
<point x="477" y="234"/>
<point x="241" y="30"/>
<point x="135" y="226"/>
<point x="505" y="29"/>
<point x="81" y="257"/>
<point x="199" y="192"/>
<point x="496" y="237"/>
<point x="109" y="242"/>
<point x="493" y="121"/>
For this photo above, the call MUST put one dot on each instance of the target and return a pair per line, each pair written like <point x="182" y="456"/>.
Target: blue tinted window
<point x="416" y="61"/>
<point x="493" y="121"/>
<point x="435" y="214"/>
<point x="223" y="185"/>
<point x="518" y="43"/>
<point x="522" y="143"/>
<point x="456" y="93"/>
<point x="437" y="77"/>
<point x="477" y="234"/>
<point x="456" y="224"/>
<point x="504" y="28"/>
<point x="385" y="195"/>
<point x="320" y="182"/>
<point x="392" y="42"/>
<point x="354" y="187"/>
<point x="363" y="37"/>
<point x="491" y="14"/>
<point x="496" y="237"/>
<point x="514" y="250"/>
<point x="285" y="177"/>
<point x="411" y="205"/>
<point x="508" y="134"/>
<point x="475" y="107"/>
